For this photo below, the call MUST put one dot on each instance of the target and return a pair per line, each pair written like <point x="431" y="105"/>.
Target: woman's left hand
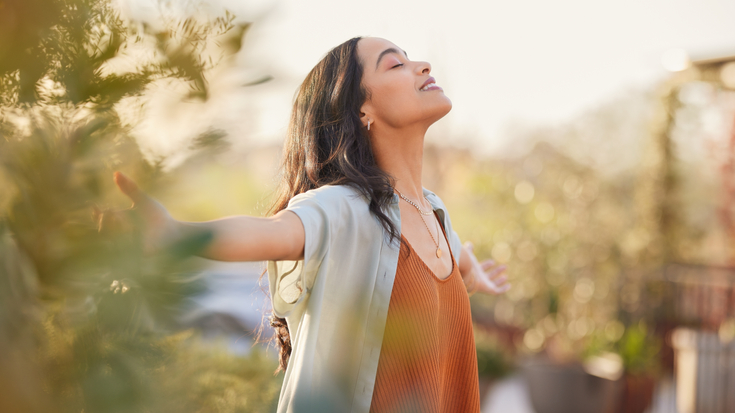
<point x="489" y="277"/>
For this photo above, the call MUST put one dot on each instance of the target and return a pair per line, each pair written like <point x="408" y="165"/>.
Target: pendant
<point x="438" y="253"/>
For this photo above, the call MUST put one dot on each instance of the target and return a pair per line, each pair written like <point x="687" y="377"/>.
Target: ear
<point x="366" y="113"/>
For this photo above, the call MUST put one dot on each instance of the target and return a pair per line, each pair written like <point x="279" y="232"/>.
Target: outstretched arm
<point x="486" y="277"/>
<point x="245" y="238"/>
<point x="235" y="238"/>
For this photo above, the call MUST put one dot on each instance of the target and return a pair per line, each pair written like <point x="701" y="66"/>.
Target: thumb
<point x="128" y="187"/>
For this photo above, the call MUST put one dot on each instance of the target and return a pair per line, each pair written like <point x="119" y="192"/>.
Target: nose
<point x="424" y="67"/>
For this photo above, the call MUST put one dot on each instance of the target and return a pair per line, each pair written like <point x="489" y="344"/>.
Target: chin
<point x="442" y="110"/>
<point x="449" y="105"/>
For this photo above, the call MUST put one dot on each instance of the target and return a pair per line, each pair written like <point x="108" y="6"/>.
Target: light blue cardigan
<point x="335" y="301"/>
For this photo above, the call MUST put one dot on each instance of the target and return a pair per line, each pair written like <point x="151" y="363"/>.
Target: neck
<point x="399" y="152"/>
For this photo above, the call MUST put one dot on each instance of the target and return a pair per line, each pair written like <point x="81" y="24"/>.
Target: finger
<point x="494" y="278"/>
<point x="97" y="217"/>
<point x="492" y="288"/>
<point x="108" y="221"/>
<point x="497" y="287"/>
<point x="487" y="264"/>
<point x="469" y="246"/>
<point x="496" y="272"/>
<point x="128" y="187"/>
<point x="96" y="213"/>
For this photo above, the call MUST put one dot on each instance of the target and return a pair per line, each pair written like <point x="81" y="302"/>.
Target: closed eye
<point x="399" y="64"/>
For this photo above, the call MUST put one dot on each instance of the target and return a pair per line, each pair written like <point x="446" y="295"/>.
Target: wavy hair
<point x="327" y="144"/>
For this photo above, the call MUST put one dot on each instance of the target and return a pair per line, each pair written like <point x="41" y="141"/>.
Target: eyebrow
<point x="387" y="51"/>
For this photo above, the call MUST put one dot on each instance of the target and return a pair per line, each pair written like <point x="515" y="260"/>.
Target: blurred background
<point x="591" y="147"/>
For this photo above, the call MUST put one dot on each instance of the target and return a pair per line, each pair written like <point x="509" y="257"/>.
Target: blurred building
<point x="700" y="296"/>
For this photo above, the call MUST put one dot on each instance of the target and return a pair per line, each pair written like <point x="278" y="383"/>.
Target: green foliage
<point x="56" y="51"/>
<point x="639" y="350"/>
<point x="65" y="43"/>
<point x="560" y="227"/>
<point x="493" y="359"/>
<point x="212" y="379"/>
<point x="87" y="319"/>
<point x="148" y="372"/>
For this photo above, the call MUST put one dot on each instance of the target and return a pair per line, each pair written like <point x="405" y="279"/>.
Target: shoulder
<point x="438" y="205"/>
<point x="434" y="199"/>
<point x="332" y="198"/>
<point x="454" y="242"/>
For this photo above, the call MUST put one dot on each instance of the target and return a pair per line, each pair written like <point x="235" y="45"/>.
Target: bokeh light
<point x="600" y="168"/>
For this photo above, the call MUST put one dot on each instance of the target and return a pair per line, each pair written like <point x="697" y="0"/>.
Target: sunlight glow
<point x="675" y="60"/>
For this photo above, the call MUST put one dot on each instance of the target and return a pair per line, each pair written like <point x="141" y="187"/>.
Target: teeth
<point x="428" y="86"/>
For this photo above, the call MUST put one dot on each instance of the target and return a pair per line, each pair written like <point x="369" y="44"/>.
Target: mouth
<point x="430" y="84"/>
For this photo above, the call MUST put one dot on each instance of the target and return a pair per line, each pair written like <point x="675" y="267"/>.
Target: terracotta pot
<point x="637" y="393"/>
<point x="567" y="388"/>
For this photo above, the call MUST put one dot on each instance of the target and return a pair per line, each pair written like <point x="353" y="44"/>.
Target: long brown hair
<point x="327" y="144"/>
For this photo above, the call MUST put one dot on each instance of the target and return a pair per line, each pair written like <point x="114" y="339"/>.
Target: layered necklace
<point x="423" y="213"/>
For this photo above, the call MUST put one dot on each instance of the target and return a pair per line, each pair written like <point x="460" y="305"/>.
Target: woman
<point x="368" y="281"/>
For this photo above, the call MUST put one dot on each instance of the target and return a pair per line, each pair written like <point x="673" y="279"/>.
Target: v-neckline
<point x="424" y="262"/>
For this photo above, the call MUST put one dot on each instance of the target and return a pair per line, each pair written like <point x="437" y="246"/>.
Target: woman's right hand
<point x="158" y="228"/>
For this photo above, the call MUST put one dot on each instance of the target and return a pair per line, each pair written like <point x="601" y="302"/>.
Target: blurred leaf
<point x="85" y="315"/>
<point x="639" y="350"/>
<point x="212" y="139"/>
<point x="259" y="81"/>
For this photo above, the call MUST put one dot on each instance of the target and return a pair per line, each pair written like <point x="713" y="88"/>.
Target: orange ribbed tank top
<point x="427" y="362"/>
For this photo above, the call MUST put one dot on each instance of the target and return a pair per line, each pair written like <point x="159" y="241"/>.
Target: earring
<point x="369" y="124"/>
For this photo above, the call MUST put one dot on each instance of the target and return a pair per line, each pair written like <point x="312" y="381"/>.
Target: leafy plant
<point x="493" y="360"/>
<point x="87" y="320"/>
<point x="639" y="350"/>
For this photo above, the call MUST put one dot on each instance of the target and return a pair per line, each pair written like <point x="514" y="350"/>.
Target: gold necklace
<point x="422" y="213"/>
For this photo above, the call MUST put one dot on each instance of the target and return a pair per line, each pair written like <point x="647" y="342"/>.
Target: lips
<point x="429" y="81"/>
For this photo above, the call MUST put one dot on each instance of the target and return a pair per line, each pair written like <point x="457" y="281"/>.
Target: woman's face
<point x="401" y="91"/>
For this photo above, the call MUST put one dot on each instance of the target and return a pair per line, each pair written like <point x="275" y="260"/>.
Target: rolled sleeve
<point x="291" y="281"/>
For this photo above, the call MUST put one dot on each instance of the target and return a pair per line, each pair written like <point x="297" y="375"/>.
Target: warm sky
<point x="502" y="63"/>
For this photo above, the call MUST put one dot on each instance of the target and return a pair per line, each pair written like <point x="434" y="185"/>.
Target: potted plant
<point x="639" y="351"/>
<point x="493" y="360"/>
<point x="573" y="374"/>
